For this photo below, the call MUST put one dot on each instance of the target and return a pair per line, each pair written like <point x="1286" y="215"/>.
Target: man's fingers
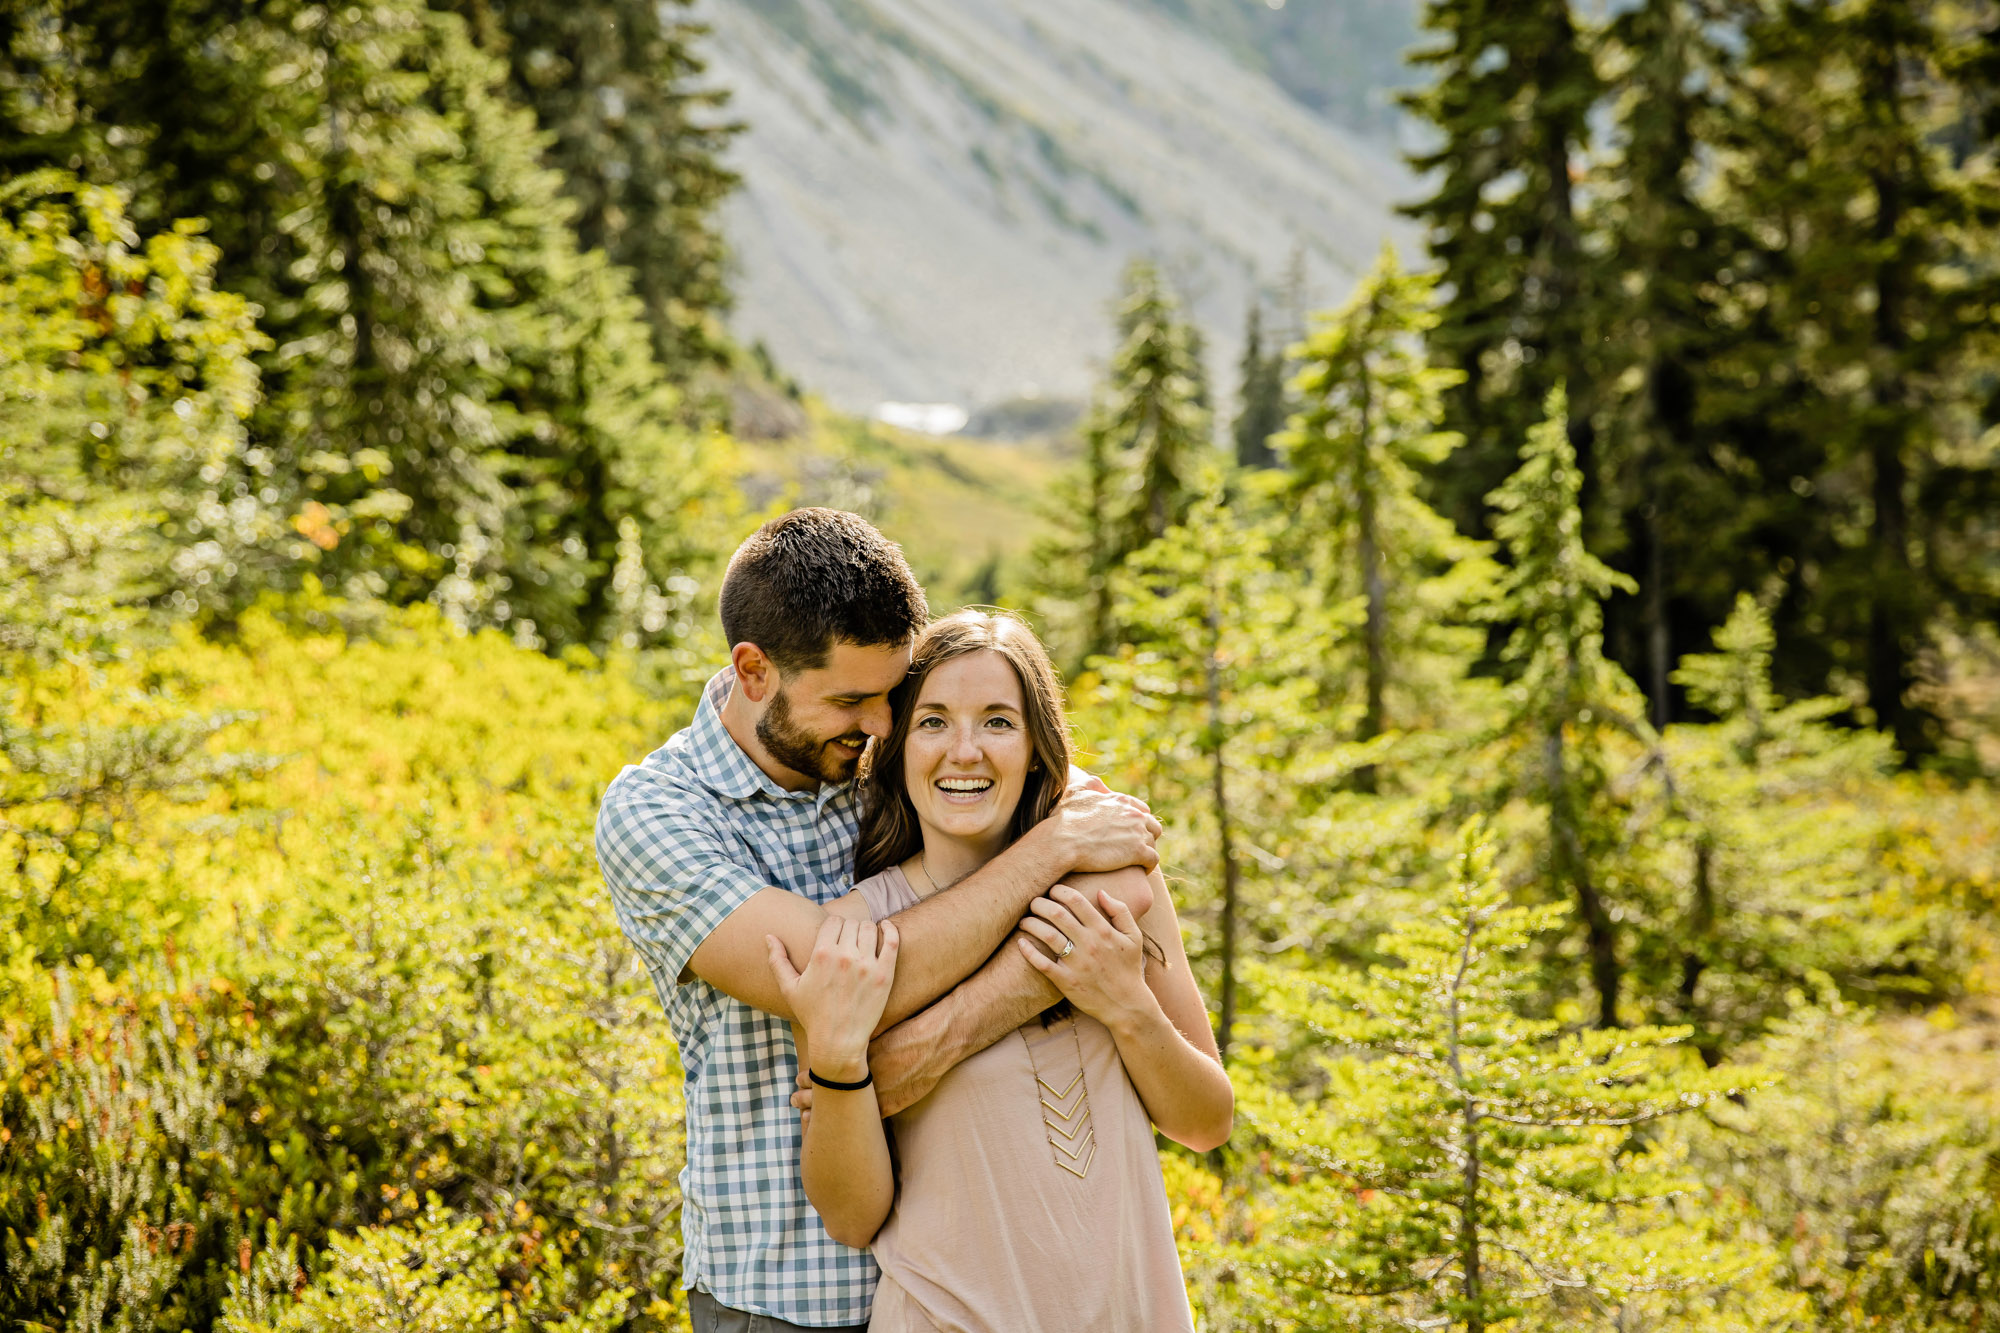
<point x="1153" y="825"/>
<point x="1148" y="857"/>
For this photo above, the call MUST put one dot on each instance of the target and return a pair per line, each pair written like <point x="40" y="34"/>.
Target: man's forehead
<point x="853" y="668"/>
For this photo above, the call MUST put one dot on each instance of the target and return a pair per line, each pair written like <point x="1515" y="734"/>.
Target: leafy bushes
<point x="389" y="997"/>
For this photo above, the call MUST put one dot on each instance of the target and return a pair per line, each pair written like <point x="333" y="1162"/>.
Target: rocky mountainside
<point x="939" y="195"/>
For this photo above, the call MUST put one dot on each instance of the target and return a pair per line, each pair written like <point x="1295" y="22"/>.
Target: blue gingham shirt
<point x="684" y="839"/>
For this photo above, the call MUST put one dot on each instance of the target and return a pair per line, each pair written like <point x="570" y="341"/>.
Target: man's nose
<point x="876" y="719"/>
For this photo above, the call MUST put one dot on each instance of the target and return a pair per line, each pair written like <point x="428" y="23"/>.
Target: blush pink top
<point x="1028" y="1190"/>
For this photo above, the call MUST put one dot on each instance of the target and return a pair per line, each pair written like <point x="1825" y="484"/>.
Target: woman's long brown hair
<point x="890" y="834"/>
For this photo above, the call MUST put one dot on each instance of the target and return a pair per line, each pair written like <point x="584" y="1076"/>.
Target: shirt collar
<point x="721" y="764"/>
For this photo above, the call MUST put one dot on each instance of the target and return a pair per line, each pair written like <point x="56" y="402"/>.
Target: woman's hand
<point x="1100" y="957"/>
<point x="838" y="999"/>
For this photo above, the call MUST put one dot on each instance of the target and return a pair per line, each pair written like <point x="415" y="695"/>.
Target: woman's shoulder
<point x="886" y="893"/>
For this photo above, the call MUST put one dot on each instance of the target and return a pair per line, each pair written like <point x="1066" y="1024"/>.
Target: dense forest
<point x="1567" y="675"/>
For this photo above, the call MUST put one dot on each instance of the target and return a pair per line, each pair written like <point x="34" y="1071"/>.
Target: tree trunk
<point x="1473" y="1281"/>
<point x="1374" y="584"/>
<point x="1892" y="620"/>
<point x="1219" y="791"/>
<point x="1572" y="867"/>
<point x="1659" y="639"/>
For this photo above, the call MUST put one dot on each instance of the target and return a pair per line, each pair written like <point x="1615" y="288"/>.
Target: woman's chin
<point x="971" y="827"/>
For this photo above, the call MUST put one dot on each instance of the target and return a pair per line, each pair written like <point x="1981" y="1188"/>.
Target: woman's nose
<point x="965" y="746"/>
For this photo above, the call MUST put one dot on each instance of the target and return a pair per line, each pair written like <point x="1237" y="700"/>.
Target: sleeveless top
<point x="1028" y="1190"/>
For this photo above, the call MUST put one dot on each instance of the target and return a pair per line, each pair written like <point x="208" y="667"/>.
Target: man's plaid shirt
<point x="684" y="839"/>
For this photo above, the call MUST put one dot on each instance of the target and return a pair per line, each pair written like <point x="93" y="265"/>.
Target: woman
<point x="1024" y="1192"/>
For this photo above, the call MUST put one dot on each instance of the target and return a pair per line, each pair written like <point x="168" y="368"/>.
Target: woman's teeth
<point x="965" y="785"/>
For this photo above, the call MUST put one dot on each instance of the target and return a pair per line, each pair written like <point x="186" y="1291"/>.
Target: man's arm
<point x="949" y="934"/>
<point x="908" y="1059"/>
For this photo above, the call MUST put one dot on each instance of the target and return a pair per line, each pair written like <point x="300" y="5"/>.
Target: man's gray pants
<point x="710" y="1317"/>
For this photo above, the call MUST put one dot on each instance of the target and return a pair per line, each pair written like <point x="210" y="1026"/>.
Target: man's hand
<point x="1102" y="830"/>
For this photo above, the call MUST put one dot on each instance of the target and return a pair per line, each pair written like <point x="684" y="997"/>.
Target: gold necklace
<point x="924" y="864"/>
<point x="1073" y="1133"/>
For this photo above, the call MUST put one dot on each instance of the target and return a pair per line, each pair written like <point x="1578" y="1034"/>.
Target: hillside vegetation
<point x="1564" y="703"/>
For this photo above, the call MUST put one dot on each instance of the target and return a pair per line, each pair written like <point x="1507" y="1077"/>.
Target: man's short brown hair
<point x="815" y="576"/>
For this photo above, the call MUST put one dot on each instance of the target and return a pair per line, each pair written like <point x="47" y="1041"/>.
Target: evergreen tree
<point x="1678" y="520"/>
<point x="125" y="378"/>
<point x="1144" y="440"/>
<point x="1261" y="398"/>
<point x="1871" y="1173"/>
<point x="638" y="140"/>
<point x="1567" y="696"/>
<point x="1214" y="675"/>
<point x="1855" y="166"/>
<point x="1465" y="1166"/>
<point x="1510" y="100"/>
<point x="460" y="405"/>
<point x="1765" y="876"/>
<point x="1367" y="429"/>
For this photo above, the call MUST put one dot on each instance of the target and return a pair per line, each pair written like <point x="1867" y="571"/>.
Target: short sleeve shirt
<point x="684" y="839"/>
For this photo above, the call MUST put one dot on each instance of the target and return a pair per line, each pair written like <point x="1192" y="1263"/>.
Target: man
<point x="742" y="826"/>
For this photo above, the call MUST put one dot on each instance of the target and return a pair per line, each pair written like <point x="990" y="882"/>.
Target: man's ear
<point x="756" y="675"/>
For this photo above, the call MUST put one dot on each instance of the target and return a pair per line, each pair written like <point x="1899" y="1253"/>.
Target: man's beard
<point x="800" y="750"/>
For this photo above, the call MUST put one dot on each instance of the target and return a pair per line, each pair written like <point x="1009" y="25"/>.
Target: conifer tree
<point x="1678" y="521"/>
<point x="125" y="378"/>
<point x="1510" y="99"/>
<point x="1466" y="1166"/>
<point x="1856" y="161"/>
<point x="1144" y="442"/>
<point x="638" y="137"/>
<point x="1367" y="429"/>
<point x="1567" y="696"/>
<point x="1260" y="412"/>
<point x="1214" y="668"/>
<point x="1772" y="879"/>
<point x="1870" y="1171"/>
<point x="460" y="404"/>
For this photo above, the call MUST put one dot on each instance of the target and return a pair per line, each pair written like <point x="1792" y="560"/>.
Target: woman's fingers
<point x="781" y="964"/>
<point x="1042" y="962"/>
<point x="1118" y="914"/>
<point x="1078" y="905"/>
<point x="1059" y="916"/>
<point x="1044" y="932"/>
<point x="891" y="940"/>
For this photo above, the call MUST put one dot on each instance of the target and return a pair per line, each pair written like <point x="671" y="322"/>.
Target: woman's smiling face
<point x="967" y="757"/>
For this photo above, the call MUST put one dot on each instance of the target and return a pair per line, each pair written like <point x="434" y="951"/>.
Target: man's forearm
<point x="910" y="1058"/>
<point x="948" y="935"/>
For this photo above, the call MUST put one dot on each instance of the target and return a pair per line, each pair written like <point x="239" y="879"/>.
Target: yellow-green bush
<point x="371" y="968"/>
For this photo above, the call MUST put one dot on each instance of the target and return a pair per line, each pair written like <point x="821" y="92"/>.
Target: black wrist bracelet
<point x="841" y="1087"/>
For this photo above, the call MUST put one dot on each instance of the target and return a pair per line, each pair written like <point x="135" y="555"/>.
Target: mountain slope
<point x="939" y="195"/>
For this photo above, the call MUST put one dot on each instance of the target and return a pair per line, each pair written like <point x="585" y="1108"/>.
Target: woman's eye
<point x="931" y="723"/>
<point x="999" y="722"/>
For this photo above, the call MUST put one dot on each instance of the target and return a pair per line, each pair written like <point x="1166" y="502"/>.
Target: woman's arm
<point x="1154" y="1012"/>
<point x="844" y="1164"/>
